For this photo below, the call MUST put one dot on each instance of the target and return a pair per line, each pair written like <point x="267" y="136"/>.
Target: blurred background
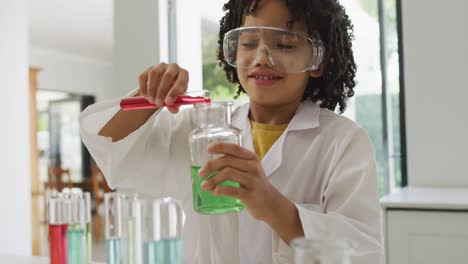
<point x="57" y="57"/>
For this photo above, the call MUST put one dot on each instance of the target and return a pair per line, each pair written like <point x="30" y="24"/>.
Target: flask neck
<point x="214" y="114"/>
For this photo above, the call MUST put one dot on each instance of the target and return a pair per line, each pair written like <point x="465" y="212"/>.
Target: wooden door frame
<point x="36" y="192"/>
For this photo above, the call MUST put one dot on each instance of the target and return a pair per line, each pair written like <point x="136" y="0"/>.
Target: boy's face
<point x="283" y="88"/>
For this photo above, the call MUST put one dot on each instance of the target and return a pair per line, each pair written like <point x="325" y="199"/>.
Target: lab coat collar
<point x="306" y="117"/>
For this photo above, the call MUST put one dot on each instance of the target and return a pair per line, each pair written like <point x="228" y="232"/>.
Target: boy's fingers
<point x="167" y="80"/>
<point x="233" y="150"/>
<point x="238" y="193"/>
<point x="143" y="82"/>
<point x="173" y="109"/>
<point x="225" y="175"/>
<point x="224" y="162"/>
<point x="179" y="87"/>
<point x="154" y="78"/>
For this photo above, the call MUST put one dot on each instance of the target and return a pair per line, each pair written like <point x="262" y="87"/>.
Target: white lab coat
<point x="323" y="162"/>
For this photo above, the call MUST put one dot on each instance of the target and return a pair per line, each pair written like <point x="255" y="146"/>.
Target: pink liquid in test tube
<point x="59" y="215"/>
<point x="58" y="243"/>
<point x="139" y="102"/>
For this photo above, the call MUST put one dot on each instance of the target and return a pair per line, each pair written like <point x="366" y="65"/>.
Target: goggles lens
<point x="285" y="51"/>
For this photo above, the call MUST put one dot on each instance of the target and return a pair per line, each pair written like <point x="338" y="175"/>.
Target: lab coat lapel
<point x="273" y="158"/>
<point x="306" y="117"/>
<point x="240" y="120"/>
<point x="271" y="161"/>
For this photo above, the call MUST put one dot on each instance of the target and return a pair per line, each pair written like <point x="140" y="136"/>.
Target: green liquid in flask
<point x="206" y="203"/>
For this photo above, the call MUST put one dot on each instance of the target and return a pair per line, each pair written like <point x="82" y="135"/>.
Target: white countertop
<point x="25" y="260"/>
<point x="431" y="198"/>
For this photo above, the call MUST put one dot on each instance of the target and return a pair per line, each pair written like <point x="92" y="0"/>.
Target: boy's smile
<point x="264" y="77"/>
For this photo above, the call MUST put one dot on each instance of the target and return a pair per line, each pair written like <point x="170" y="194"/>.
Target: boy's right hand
<point x="163" y="83"/>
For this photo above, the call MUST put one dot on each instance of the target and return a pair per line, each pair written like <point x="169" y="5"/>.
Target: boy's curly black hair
<point x="328" y="18"/>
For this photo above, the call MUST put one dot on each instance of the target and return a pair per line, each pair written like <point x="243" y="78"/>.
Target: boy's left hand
<point x="243" y="166"/>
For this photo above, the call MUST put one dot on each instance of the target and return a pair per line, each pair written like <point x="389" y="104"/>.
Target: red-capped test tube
<point x="139" y="102"/>
<point x="58" y="219"/>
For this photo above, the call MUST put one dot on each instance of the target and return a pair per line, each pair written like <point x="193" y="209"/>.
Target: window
<point x="214" y="77"/>
<point x="58" y="134"/>
<point x="376" y="104"/>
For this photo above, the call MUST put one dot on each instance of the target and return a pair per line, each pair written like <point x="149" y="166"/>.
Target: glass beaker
<point x="322" y="251"/>
<point x="163" y="242"/>
<point x="213" y="121"/>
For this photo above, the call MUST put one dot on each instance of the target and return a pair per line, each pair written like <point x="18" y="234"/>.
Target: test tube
<point x="164" y="243"/>
<point x="77" y="229"/>
<point x="58" y="217"/>
<point x="135" y="232"/>
<point x="79" y="233"/>
<point x="88" y="228"/>
<point x="116" y="228"/>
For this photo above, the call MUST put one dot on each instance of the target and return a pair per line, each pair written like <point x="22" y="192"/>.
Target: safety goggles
<point x="284" y="50"/>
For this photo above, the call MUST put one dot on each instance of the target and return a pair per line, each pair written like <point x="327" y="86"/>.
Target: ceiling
<point x="81" y="27"/>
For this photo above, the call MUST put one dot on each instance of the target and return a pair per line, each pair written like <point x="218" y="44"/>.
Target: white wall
<point x="136" y="42"/>
<point x="140" y="41"/>
<point x="67" y="72"/>
<point x="435" y="39"/>
<point x="15" y="197"/>
<point x="189" y="42"/>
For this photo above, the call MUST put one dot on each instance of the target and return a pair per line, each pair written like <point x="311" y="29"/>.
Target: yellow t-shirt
<point x="264" y="136"/>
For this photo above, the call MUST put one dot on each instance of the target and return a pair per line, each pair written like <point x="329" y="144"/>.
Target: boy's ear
<point x="317" y="73"/>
